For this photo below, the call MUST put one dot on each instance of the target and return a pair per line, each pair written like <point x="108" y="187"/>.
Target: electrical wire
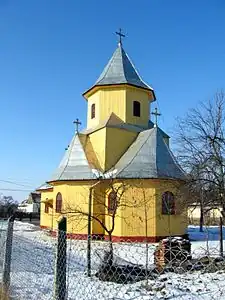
<point x="15" y="190"/>
<point x="15" y="183"/>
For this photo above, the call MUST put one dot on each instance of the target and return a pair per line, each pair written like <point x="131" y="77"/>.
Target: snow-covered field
<point x="33" y="260"/>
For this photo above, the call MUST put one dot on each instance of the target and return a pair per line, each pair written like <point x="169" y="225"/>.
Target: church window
<point x="58" y="207"/>
<point x="46" y="208"/>
<point x="93" y="111"/>
<point x="136" y="109"/>
<point x="112" y="202"/>
<point x="168" y="203"/>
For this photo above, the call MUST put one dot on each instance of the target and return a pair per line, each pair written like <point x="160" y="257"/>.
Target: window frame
<point x="58" y="204"/>
<point x="92" y="110"/>
<point x="168" y="204"/>
<point x="136" y="109"/>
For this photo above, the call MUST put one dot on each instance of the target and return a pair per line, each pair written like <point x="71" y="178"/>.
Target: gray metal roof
<point x="120" y="70"/>
<point x="44" y="186"/>
<point x="74" y="165"/>
<point x="148" y="157"/>
<point x="114" y="121"/>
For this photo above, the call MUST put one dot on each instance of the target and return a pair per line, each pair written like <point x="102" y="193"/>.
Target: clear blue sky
<point x="51" y="51"/>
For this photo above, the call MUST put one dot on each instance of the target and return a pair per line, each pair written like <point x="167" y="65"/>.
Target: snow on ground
<point x="33" y="260"/>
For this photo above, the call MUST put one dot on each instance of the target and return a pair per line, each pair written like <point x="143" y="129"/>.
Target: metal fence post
<point x="89" y="234"/>
<point x="7" y="256"/>
<point x="221" y="236"/>
<point x="60" y="271"/>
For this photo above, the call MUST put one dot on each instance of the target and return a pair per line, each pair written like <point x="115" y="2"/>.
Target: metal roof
<point x="120" y="70"/>
<point x="74" y="165"/>
<point x="148" y="157"/>
<point x="114" y="121"/>
<point x="44" y="186"/>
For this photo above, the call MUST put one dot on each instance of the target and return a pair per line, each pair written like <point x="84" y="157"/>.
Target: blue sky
<point x="51" y="51"/>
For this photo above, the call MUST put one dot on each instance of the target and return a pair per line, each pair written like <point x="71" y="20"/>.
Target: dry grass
<point x="3" y="294"/>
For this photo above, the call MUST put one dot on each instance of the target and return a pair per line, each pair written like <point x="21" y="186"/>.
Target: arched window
<point x="46" y="208"/>
<point x="93" y="111"/>
<point x="136" y="109"/>
<point x="112" y="202"/>
<point x="168" y="203"/>
<point x="58" y="206"/>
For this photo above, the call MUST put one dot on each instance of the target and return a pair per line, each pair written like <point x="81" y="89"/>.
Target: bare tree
<point x="7" y="206"/>
<point x="109" y="201"/>
<point x="201" y="152"/>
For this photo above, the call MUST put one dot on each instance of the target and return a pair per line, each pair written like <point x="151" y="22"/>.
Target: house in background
<point x="32" y="204"/>
<point x="211" y="215"/>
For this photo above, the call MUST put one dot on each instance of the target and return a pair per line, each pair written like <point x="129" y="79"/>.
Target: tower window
<point x="136" y="109"/>
<point x="168" y="203"/>
<point x="58" y="207"/>
<point x="93" y="111"/>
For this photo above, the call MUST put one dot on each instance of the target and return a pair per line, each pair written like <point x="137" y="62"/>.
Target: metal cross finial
<point x="156" y="114"/>
<point x="77" y="122"/>
<point x="120" y="34"/>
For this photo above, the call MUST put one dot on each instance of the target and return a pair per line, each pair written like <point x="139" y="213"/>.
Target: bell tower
<point x="119" y="90"/>
<point x="118" y="108"/>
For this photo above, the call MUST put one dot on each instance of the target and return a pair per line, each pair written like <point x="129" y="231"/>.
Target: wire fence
<point x="3" y="228"/>
<point x="46" y="267"/>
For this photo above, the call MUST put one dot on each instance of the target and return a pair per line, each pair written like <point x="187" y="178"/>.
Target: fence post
<point x="60" y="272"/>
<point x="7" y="256"/>
<point x="221" y="236"/>
<point x="89" y="234"/>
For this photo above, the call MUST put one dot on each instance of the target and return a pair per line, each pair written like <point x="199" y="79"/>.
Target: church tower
<point x="119" y="90"/>
<point x="118" y="108"/>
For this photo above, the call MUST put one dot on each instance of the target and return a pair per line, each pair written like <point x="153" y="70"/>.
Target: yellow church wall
<point x="135" y="211"/>
<point x="112" y="99"/>
<point x="92" y="157"/>
<point x="46" y="219"/>
<point x="97" y="140"/>
<point x="93" y="99"/>
<point x="75" y="197"/>
<point x="139" y="211"/>
<point x="117" y="142"/>
<point x="170" y="224"/>
<point x="106" y="100"/>
<point x="118" y="99"/>
<point x="142" y="96"/>
<point x="98" y="210"/>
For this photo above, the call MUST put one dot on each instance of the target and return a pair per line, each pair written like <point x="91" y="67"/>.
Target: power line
<point x="15" y="190"/>
<point x="15" y="183"/>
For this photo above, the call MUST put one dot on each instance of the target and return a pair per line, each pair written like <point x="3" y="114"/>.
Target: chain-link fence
<point x="45" y="267"/>
<point x="3" y="228"/>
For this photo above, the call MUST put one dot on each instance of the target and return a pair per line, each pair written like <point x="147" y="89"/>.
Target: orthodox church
<point x="119" y="172"/>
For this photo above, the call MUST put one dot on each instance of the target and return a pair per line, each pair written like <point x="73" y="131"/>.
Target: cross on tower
<point x="77" y="122"/>
<point x="156" y="114"/>
<point x="120" y="34"/>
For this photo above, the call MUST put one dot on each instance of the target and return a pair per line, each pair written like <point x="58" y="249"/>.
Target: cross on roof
<point x="120" y="34"/>
<point x="156" y="114"/>
<point x="77" y="123"/>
